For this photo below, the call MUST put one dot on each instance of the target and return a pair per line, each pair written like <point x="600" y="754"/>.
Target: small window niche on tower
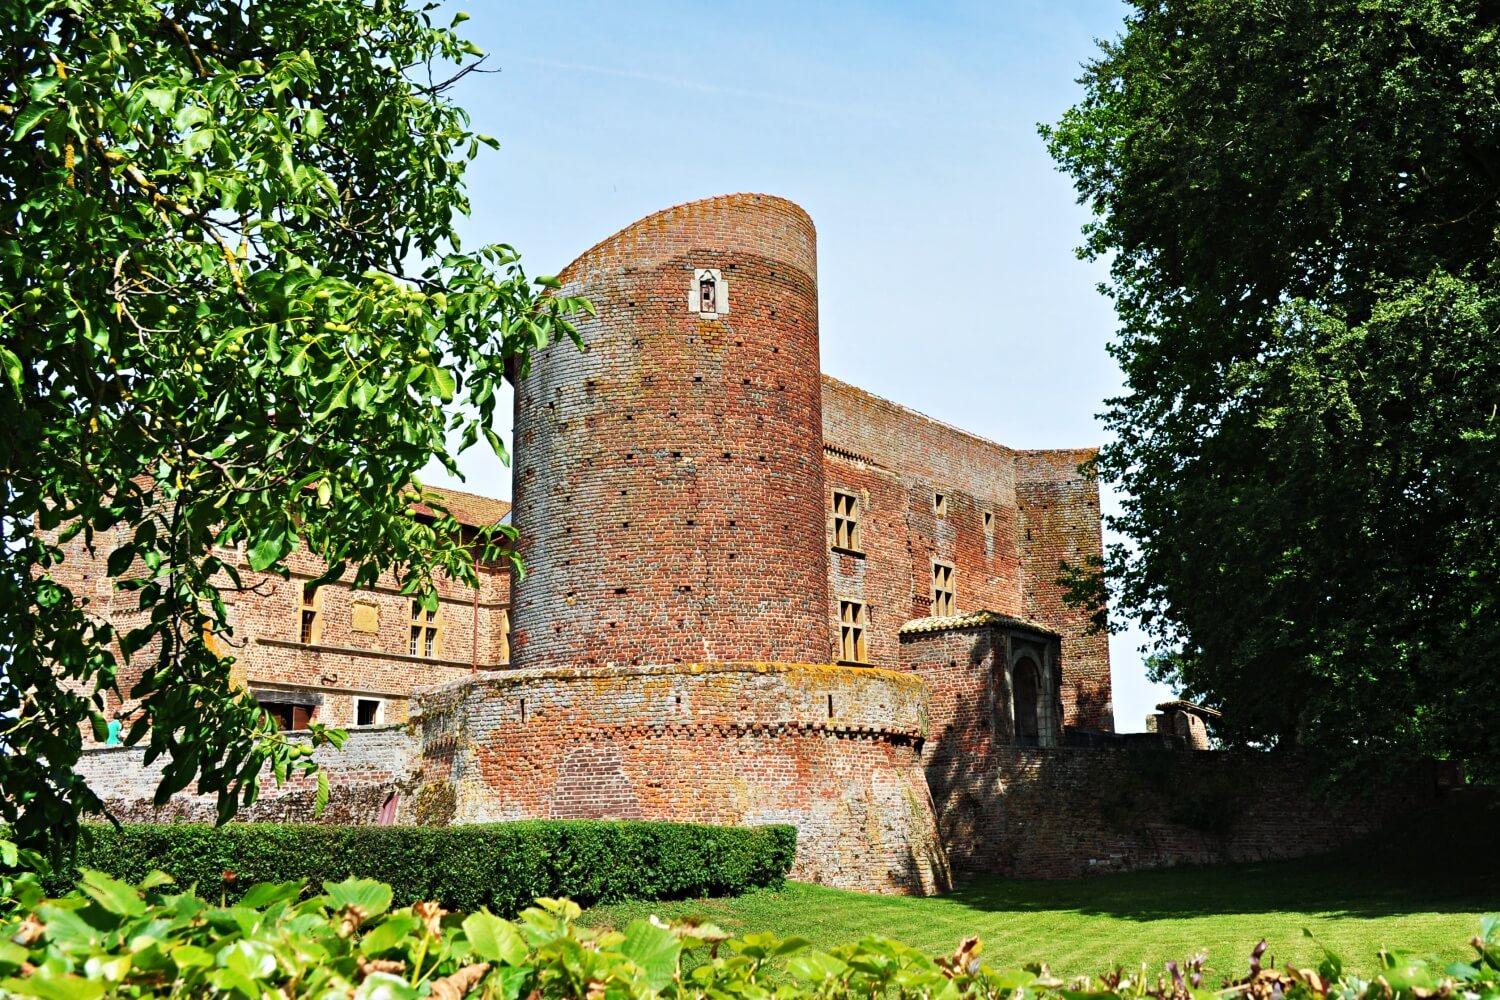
<point x="940" y="504"/>
<point x="846" y="521"/>
<point x="942" y="590"/>
<point x="709" y="296"/>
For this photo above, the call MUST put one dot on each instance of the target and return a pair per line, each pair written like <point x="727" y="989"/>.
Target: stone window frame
<point x="944" y="589"/>
<point x="989" y="522"/>
<point x="292" y="710"/>
<point x="940" y="504"/>
<point x="1044" y="657"/>
<point x="309" y="615"/>
<point x="853" y="627"/>
<point x="426" y="634"/>
<point x="379" y="716"/>
<point x="846" y="522"/>
<point x="713" y="275"/>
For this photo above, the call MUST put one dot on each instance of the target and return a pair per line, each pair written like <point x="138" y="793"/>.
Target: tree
<point x="1299" y="201"/>
<point x="233" y="310"/>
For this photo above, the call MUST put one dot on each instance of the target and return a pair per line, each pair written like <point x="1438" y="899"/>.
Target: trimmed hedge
<point x="502" y="866"/>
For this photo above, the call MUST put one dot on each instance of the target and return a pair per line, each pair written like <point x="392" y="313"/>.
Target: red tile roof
<point x="467" y="508"/>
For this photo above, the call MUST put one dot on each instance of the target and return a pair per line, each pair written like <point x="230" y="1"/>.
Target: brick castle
<point x="753" y="593"/>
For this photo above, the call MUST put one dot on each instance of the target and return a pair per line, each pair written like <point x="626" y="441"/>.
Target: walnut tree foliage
<point x="234" y="312"/>
<point x="1299" y="202"/>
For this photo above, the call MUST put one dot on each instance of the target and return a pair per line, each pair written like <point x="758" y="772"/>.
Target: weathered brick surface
<point x="1064" y="813"/>
<point x="674" y="494"/>
<point x="343" y="663"/>
<point x="832" y="750"/>
<point x="1060" y="518"/>
<point x="668" y="480"/>
<point x="1040" y="509"/>
<point x="376" y="764"/>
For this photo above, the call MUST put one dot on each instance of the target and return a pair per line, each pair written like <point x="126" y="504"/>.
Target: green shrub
<point x="499" y="866"/>
<point x="117" y="940"/>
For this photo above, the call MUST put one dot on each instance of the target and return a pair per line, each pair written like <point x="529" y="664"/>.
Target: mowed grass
<point x="1420" y="887"/>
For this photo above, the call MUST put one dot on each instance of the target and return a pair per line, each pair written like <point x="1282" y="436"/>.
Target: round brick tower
<point x="668" y="479"/>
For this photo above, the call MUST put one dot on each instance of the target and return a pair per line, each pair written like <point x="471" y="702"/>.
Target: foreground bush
<point x="499" y="866"/>
<point x="113" y="939"/>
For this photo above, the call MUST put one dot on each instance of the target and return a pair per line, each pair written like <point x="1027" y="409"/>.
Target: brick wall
<point x="1064" y="813"/>
<point x="668" y="481"/>
<point x="375" y="764"/>
<point x="832" y="750"/>
<point x="344" y="662"/>
<point x="1009" y="517"/>
<point x="1060" y="523"/>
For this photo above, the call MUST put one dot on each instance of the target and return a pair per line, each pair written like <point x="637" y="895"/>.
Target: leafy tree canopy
<point x="233" y="311"/>
<point x="1299" y="201"/>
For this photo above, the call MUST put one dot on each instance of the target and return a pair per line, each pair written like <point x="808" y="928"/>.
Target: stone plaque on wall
<point x="365" y="617"/>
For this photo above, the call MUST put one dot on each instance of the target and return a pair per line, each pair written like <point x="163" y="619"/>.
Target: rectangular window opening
<point x="311" y="614"/>
<point x="940" y="504"/>
<point x="852" y="632"/>
<point x="943" y="603"/>
<point x="367" y="711"/>
<point x="289" y="716"/>
<point x="426" y="631"/>
<point x="845" y="521"/>
<point x="989" y="520"/>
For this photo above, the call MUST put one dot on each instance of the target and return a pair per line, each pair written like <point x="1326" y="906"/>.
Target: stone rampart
<point x="832" y="750"/>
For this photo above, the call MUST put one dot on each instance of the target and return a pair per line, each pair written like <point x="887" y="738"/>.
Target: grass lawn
<point x="1420" y="887"/>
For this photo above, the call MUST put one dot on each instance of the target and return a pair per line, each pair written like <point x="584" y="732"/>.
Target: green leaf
<point x="297" y="363"/>
<point x="264" y="894"/>
<point x="655" y="949"/>
<point x="495" y="939"/>
<point x="49" y="985"/>
<point x="115" y="896"/>
<point x="370" y="897"/>
<point x="190" y="956"/>
<point x="815" y="966"/>
<point x="320" y="801"/>
<point x="13" y="370"/>
<point x="441" y="381"/>
<point x="268" y="548"/>
<point x="250" y="959"/>
<point x="29" y="119"/>
<point x="384" y="986"/>
<point x="389" y="933"/>
<point x="120" y="560"/>
<point x="43" y="88"/>
<point x="11" y="956"/>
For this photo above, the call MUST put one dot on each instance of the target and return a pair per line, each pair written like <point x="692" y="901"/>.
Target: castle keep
<point x="753" y="593"/>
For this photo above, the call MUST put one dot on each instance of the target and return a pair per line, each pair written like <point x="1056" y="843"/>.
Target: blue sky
<point x="947" y="274"/>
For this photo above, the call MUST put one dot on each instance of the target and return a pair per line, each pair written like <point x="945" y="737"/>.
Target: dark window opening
<point x="289" y="716"/>
<point x="707" y="295"/>
<point x="1025" y="685"/>
<point x="366" y="711"/>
